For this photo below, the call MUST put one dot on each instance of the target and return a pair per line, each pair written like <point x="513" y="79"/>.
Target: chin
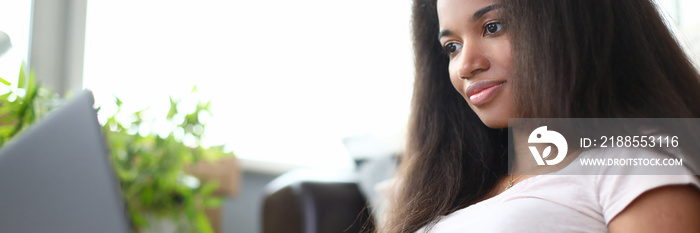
<point x="495" y="116"/>
<point x="496" y="112"/>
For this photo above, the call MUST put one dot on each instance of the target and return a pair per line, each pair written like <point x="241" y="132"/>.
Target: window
<point x="14" y="21"/>
<point x="288" y="79"/>
<point x="682" y="13"/>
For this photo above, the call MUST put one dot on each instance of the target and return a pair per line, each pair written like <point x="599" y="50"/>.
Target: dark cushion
<point x="315" y="207"/>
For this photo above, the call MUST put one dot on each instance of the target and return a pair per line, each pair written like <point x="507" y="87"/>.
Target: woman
<point x="538" y="59"/>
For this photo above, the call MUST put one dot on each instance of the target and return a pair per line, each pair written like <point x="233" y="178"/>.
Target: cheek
<point x="457" y="83"/>
<point x="504" y="55"/>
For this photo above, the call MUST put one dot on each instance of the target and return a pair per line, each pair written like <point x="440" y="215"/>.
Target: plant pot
<point x="163" y="225"/>
<point x="227" y="173"/>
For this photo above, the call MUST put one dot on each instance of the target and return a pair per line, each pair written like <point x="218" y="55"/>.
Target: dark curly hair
<point x="572" y="59"/>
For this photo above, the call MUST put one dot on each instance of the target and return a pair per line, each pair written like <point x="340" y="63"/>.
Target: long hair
<point x="572" y="58"/>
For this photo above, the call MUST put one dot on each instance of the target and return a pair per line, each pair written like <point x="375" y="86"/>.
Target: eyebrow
<point x="444" y="33"/>
<point x="481" y="12"/>
<point x="476" y="16"/>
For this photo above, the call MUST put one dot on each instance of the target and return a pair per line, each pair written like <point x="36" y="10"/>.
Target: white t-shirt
<point x="559" y="203"/>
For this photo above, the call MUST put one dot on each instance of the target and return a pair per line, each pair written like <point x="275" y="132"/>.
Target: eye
<point x="452" y="47"/>
<point x="492" y="28"/>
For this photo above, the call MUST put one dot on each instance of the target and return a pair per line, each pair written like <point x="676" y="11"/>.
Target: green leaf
<point x="6" y="130"/>
<point x="32" y="88"/>
<point x="4" y="97"/>
<point x="22" y="77"/>
<point x="209" y="188"/>
<point x="3" y="81"/>
<point x="213" y="202"/>
<point x="147" y="196"/>
<point x="203" y="225"/>
<point x="190" y="210"/>
<point x="118" y="102"/>
<point x="138" y="219"/>
<point x="173" y="109"/>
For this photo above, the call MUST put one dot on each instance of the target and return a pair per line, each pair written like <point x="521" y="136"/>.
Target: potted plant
<point x="151" y="169"/>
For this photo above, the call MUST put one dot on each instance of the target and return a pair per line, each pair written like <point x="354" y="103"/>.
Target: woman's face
<point x="480" y="57"/>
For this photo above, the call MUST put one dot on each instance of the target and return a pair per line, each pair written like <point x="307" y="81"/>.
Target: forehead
<point x="451" y="12"/>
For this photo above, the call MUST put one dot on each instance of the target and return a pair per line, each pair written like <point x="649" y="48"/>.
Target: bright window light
<point x="288" y="79"/>
<point x="14" y="21"/>
<point x="685" y="23"/>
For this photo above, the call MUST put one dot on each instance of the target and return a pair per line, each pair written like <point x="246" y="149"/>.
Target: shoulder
<point x="647" y="198"/>
<point x="671" y="208"/>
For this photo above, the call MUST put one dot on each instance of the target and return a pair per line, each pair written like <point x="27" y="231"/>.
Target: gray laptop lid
<point x="56" y="176"/>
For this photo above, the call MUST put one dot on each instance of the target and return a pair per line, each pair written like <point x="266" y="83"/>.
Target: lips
<point x="481" y="91"/>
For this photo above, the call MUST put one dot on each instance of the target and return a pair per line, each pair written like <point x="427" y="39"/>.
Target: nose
<point x="472" y="60"/>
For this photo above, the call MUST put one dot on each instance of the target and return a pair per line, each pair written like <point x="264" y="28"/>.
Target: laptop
<point x="56" y="176"/>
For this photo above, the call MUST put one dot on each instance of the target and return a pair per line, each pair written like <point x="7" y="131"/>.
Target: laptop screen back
<point x="56" y="176"/>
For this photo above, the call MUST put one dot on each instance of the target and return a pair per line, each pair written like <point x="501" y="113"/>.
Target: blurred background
<point x="308" y="84"/>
